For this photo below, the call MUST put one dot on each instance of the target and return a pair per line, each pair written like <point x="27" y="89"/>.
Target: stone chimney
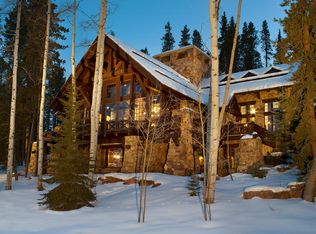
<point x="189" y="61"/>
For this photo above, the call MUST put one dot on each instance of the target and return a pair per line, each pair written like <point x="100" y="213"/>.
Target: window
<point x="123" y="110"/>
<point x="271" y="119"/>
<point x="138" y="88"/>
<point x="110" y="112"/>
<point x="125" y="89"/>
<point x="155" y="106"/>
<point x="140" y="109"/>
<point x="243" y="110"/>
<point x="248" y="112"/>
<point x="115" y="156"/>
<point x="111" y="91"/>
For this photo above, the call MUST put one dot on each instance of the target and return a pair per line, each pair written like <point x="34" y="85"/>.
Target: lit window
<point x="275" y="105"/>
<point x="244" y="120"/>
<point x="123" y="110"/>
<point x="115" y="156"/>
<point x="155" y="106"/>
<point x="268" y="122"/>
<point x="252" y="109"/>
<point x="243" y="110"/>
<point x="140" y="109"/>
<point x="125" y="89"/>
<point x="110" y="91"/>
<point x="266" y="107"/>
<point x="110" y="112"/>
<point x="252" y="119"/>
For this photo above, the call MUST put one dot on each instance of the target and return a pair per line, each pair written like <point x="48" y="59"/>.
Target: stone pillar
<point x="131" y="154"/>
<point x="180" y="158"/>
<point x="249" y="152"/>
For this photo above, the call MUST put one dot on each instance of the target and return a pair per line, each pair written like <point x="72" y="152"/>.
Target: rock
<point x="132" y="180"/>
<point x="156" y="185"/>
<point x="109" y="180"/>
<point x="147" y="182"/>
<point x="293" y="190"/>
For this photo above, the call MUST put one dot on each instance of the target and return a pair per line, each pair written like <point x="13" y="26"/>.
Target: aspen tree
<point x="97" y="88"/>
<point x="8" y="185"/>
<point x="42" y="104"/>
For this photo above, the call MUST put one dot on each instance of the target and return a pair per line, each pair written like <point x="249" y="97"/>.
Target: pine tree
<point x="70" y="162"/>
<point x="300" y="44"/>
<point x="250" y="57"/>
<point x="279" y="54"/>
<point x="185" y="37"/>
<point x="145" y="51"/>
<point x="33" y="22"/>
<point x="168" y="39"/>
<point x="223" y="45"/>
<point x="266" y="45"/>
<point x="197" y="40"/>
<point x="194" y="185"/>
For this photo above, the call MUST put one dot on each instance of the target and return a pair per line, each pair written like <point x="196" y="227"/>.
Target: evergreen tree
<point x="197" y="39"/>
<point x="168" y="39"/>
<point x="145" y="51"/>
<point x="194" y="185"/>
<point x="266" y="45"/>
<point x="250" y="57"/>
<point x="300" y="44"/>
<point x="185" y="37"/>
<point x="70" y="163"/>
<point x="223" y="45"/>
<point x="279" y="54"/>
<point x="33" y="22"/>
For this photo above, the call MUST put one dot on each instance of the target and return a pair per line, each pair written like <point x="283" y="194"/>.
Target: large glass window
<point x="110" y="112"/>
<point x="123" y="110"/>
<point x="111" y="91"/>
<point x="115" y="156"/>
<point x="140" y="109"/>
<point x="248" y="113"/>
<point x="271" y="118"/>
<point x="125" y="89"/>
<point x="155" y="106"/>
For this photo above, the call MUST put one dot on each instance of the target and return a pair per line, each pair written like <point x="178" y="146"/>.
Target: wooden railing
<point x="236" y="131"/>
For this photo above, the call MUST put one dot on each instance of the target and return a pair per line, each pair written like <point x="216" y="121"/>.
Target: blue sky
<point x="140" y="23"/>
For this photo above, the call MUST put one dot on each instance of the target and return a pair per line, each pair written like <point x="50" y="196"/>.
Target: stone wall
<point x="133" y="155"/>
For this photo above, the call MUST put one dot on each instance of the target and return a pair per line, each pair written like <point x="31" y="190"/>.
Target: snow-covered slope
<point x="170" y="209"/>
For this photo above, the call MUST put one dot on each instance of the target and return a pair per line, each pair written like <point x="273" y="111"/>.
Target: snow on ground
<point x="170" y="209"/>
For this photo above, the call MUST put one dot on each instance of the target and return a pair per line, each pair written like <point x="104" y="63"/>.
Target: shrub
<point x="255" y="171"/>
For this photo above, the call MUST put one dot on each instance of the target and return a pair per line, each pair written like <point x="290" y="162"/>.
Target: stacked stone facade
<point x="189" y="61"/>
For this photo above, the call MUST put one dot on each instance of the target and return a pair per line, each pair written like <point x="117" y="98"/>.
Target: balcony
<point x="236" y="131"/>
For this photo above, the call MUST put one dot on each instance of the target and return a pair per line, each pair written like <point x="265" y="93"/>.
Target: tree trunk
<point x="96" y="95"/>
<point x="73" y="70"/>
<point x="42" y="105"/>
<point x="213" y="105"/>
<point x="8" y="185"/>
<point x="231" y="65"/>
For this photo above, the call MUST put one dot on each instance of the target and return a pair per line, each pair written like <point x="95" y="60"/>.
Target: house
<point x="136" y="86"/>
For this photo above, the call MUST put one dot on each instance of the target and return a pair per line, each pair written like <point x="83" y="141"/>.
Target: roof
<point x="252" y="80"/>
<point x="163" y="73"/>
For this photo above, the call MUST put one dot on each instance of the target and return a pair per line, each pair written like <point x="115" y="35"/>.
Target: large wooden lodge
<point x="136" y="86"/>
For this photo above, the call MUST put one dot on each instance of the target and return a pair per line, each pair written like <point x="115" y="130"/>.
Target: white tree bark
<point x="73" y="68"/>
<point x="42" y="104"/>
<point x="97" y="88"/>
<point x="8" y="185"/>
<point x="213" y="105"/>
<point x="231" y="66"/>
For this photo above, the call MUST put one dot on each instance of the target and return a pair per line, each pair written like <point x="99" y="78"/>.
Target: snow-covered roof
<point x="252" y="80"/>
<point x="163" y="73"/>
